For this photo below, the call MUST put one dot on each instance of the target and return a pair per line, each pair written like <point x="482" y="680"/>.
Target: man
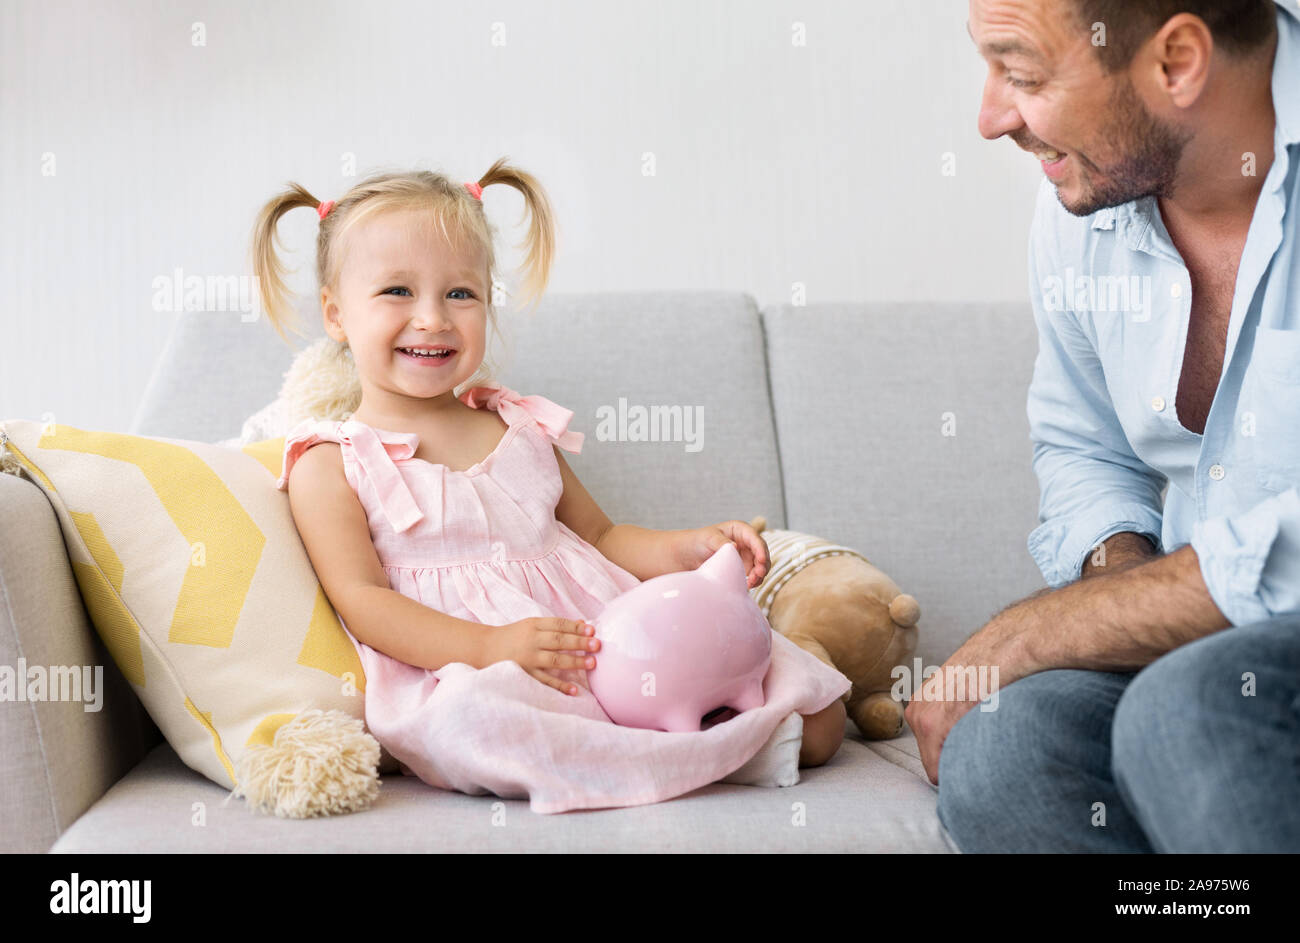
<point x="1151" y="696"/>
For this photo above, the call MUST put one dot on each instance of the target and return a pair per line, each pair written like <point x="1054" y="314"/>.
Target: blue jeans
<point x="1181" y="755"/>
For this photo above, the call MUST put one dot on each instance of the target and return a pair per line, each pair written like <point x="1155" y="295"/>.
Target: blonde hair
<point x="458" y="213"/>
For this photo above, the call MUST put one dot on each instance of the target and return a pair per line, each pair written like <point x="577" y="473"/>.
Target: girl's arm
<point x="333" y="528"/>
<point x="649" y="553"/>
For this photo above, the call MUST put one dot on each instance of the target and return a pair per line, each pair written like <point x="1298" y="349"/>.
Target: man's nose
<point x="998" y="115"/>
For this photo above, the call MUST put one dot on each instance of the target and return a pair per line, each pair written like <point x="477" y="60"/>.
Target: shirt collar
<point x="1126" y="214"/>
<point x="1286" y="107"/>
<point x="1105" y="219"/>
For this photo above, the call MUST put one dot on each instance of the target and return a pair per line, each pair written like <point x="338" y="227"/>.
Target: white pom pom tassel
<point x="9" y="464"/>
<point x="319" y="763"/>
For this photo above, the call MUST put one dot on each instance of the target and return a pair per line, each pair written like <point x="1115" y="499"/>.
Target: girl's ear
<point x="330" y="317"/>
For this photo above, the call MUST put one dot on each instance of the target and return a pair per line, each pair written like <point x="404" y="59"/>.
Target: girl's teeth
<point x="425" y="353"/>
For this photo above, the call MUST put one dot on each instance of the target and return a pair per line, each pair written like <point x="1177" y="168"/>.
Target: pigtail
<point x="541" y="226"/>
<point x="266" y="262"/>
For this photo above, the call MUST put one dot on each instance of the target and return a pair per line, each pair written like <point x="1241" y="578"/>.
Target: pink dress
<point x="483" y="544"/>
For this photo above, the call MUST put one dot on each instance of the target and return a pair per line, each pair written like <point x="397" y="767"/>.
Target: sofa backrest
<point x="903" y="434"/>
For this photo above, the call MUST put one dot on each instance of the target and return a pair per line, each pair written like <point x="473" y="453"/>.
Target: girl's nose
<point x="431" y="317"/>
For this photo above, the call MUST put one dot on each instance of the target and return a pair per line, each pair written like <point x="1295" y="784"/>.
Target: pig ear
<point x="725" y="567"/>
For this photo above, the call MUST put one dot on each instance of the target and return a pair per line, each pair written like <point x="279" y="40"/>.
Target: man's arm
<point x="1119" y="553"/>
<point x="1125" y="615"/>
<point x="1111" y="621"/>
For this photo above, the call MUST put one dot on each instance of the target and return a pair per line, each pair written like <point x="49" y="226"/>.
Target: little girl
<point x="461" y="553"/>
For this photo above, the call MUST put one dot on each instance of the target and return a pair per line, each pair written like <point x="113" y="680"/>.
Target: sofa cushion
<point x="903" y="434"/>
<point x="858" y="802"/>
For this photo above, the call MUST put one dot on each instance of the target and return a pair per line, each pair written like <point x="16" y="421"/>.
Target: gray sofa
<point x="836" y="420"/>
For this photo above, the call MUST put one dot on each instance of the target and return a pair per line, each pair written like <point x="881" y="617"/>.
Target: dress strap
<point x="374" y="452"/>
<point x="512" y="407"/>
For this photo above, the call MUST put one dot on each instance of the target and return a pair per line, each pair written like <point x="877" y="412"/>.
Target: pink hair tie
<point x="324" y="209"/>
<point x="475" y="189"/>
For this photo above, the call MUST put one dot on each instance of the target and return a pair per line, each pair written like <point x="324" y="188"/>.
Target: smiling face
<point x="1046" y="90"/>
<point x="403" y="286"/>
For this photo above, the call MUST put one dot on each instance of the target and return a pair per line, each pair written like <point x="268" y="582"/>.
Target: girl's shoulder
<point x="299" y="439"/>
<point x="515" y="408"/>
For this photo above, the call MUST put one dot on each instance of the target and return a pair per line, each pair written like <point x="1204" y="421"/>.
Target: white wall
<point x="776" y="163"/>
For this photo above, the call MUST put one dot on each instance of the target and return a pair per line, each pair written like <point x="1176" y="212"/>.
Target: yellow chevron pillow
<point x="195" y="577"/>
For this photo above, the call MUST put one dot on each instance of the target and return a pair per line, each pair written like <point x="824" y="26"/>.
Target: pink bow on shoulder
<point x="512" y="407"/>
<point x="376" y="456"/>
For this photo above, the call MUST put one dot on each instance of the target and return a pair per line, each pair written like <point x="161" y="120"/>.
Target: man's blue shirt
<point x="1112" y="300"/>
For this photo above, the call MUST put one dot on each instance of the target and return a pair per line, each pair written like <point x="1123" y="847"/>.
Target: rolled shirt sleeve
<point x="1092" y="484"/>
<point x="1251" y="561"/>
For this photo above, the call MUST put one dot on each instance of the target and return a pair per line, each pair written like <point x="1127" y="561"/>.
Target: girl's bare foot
<point x="823" y="732"/>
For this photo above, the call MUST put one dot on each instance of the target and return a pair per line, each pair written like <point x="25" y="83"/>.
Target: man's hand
<point x="930" y="718"/>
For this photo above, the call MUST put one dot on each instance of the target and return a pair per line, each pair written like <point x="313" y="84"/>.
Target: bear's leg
<point x="878" y="716"/>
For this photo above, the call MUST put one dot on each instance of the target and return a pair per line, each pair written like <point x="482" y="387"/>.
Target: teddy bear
<point x="834" y="603"/>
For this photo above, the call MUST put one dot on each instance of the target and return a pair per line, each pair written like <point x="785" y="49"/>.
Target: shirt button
<point x="1158" y="404"/>
<point x="1216" y="472"/>
<point x="1176" y="290"/>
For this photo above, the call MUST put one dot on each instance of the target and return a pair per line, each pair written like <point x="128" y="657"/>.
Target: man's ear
<point x="1177" y="59"/>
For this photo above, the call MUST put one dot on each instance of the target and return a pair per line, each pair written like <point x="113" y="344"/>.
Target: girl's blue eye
<point x="387" y="290"/>
<point x="463" y="290"/>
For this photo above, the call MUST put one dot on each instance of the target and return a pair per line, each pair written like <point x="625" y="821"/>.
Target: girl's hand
<point x="696" y="546"/>
<point x="543" y="643"/>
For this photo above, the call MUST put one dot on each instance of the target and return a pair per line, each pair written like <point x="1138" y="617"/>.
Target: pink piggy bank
<point x="681" y="646"/>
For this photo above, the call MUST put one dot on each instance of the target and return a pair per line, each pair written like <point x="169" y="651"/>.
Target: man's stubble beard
<point x="1151" y="152"/>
